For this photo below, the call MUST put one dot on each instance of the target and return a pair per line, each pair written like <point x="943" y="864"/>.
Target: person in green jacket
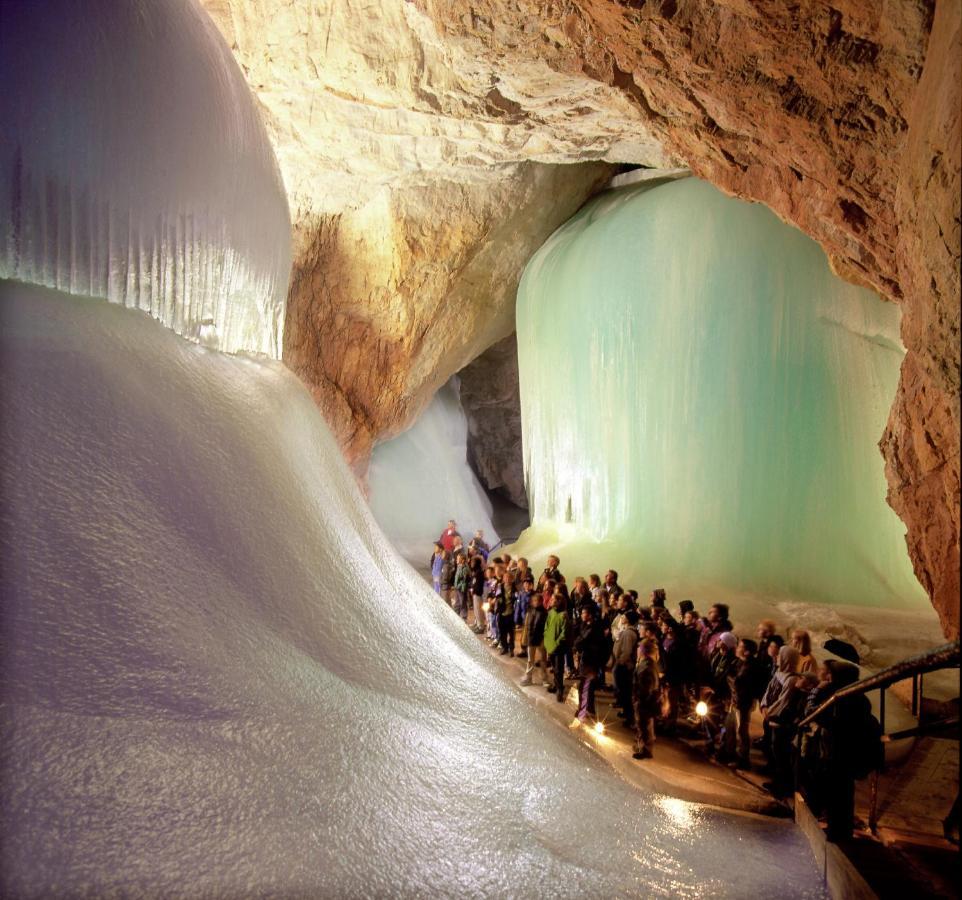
<point x="556" y="632"/>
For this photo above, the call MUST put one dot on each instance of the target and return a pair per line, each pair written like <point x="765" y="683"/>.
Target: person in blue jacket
<point x="437" y="561"/>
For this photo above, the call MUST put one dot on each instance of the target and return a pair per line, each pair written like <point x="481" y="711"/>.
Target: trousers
<point x="537" y="656"/>
<point x="586" y="693"/>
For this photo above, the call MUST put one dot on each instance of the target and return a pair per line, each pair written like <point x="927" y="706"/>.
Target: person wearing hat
<point x="722" y="663"/>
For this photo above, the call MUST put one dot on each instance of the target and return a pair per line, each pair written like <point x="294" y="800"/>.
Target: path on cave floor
<point x="678" y="768"/>
<point x="914" y="796"/>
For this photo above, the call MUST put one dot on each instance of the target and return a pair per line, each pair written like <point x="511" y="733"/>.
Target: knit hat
<point x="686" y="606"/>
<point x="728" y="639"/>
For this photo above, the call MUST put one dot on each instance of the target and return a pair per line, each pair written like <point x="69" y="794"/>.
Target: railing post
<point x="881" y="719"/>
<point x="915" y="696"/>
<point x="873" y="808"/>
<point x="921" y="689"/>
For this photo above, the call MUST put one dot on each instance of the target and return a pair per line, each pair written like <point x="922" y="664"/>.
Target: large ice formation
<point x="703" y="398"/>
<point x="220" y="679"/>
<point x="421" y="478"/>
<point x="134" y="166"/>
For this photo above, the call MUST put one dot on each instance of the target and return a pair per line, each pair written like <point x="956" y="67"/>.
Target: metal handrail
<point x="915" y="668"/>
<point x="939" y="658"/>
<point x="922" y="730"/>
<point x="502" y="543"/>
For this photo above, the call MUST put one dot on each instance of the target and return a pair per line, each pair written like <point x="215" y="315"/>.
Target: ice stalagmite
<point x="421" y="478"/>
<point x="701" y="393"/>
<point x="134" y="166"/>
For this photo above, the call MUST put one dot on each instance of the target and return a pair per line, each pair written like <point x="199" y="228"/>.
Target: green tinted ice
<point x="702" y="393"/>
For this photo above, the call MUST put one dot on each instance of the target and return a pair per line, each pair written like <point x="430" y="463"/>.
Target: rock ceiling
<point x="428" y="149"/>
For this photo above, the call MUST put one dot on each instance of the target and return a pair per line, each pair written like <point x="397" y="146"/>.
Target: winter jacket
<point x="447" y="575"/>
<point x="506" y="602"/>
<point x="462" y="578"/>
<point x="591" y="644"/>
<point x="677" y="658"/>
<point x="447" y="539"/>
<point x="552" y="574"/>
<point x="521" y="607"/>
<point x="477" y="583"/>
<point x="437" y="562"/>
<point x="626" y="646"/>
<point x="744" y="682"/>
<point x="481" y="547"/>
<point x="708" y="638"/>
<point x="645" y="687"/>
<point x="555" y="630"/>
<point x="534" y="623"/>
<point x="721" y="664"/>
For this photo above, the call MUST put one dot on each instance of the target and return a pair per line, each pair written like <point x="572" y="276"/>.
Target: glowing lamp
<point x="486" y="606"/>
<point x="599" y="727"/>
<point x="701" y="708"/>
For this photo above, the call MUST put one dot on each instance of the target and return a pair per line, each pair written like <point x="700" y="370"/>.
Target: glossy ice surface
<point x="701" y="394"/>
<point x="220" y="680"/>
<point x="134" y="166"/>
<point x="421" y="478"/>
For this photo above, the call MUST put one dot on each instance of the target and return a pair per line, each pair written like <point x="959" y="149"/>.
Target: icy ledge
<point x="220" y="680"/>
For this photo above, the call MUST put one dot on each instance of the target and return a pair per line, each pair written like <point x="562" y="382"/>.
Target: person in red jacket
<point x="447" y="539"/>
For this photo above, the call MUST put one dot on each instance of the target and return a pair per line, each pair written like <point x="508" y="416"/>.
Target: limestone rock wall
<point x="419" y="140"/>
<point x="491" y="399"/>
<point x="390" y="299"/>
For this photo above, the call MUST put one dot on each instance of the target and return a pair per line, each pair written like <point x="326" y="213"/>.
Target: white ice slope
<point x="421" y="478"/>
<point x="219" y="680"/>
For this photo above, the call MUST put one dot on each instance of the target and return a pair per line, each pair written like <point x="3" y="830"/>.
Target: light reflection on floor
<point x="680" y="812"/>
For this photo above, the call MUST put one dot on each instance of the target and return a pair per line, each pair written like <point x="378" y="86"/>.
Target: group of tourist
<point x="668" y="667"/>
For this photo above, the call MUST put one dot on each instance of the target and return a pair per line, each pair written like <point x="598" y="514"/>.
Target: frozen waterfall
<point x="134" y="166"/>
<point x="702" y="399"/>
<point x="421" y="478"/>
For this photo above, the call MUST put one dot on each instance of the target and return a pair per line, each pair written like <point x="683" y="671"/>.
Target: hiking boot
<point x="525" y="682"/>
<point x="642" y="754"/>
<point x="551" y="688"/>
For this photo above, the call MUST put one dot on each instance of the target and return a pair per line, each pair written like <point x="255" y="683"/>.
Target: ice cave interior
<point x="220" y="674"/>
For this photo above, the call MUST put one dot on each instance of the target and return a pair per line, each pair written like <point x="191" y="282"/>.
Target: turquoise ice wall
<point x="703" y="395"/>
